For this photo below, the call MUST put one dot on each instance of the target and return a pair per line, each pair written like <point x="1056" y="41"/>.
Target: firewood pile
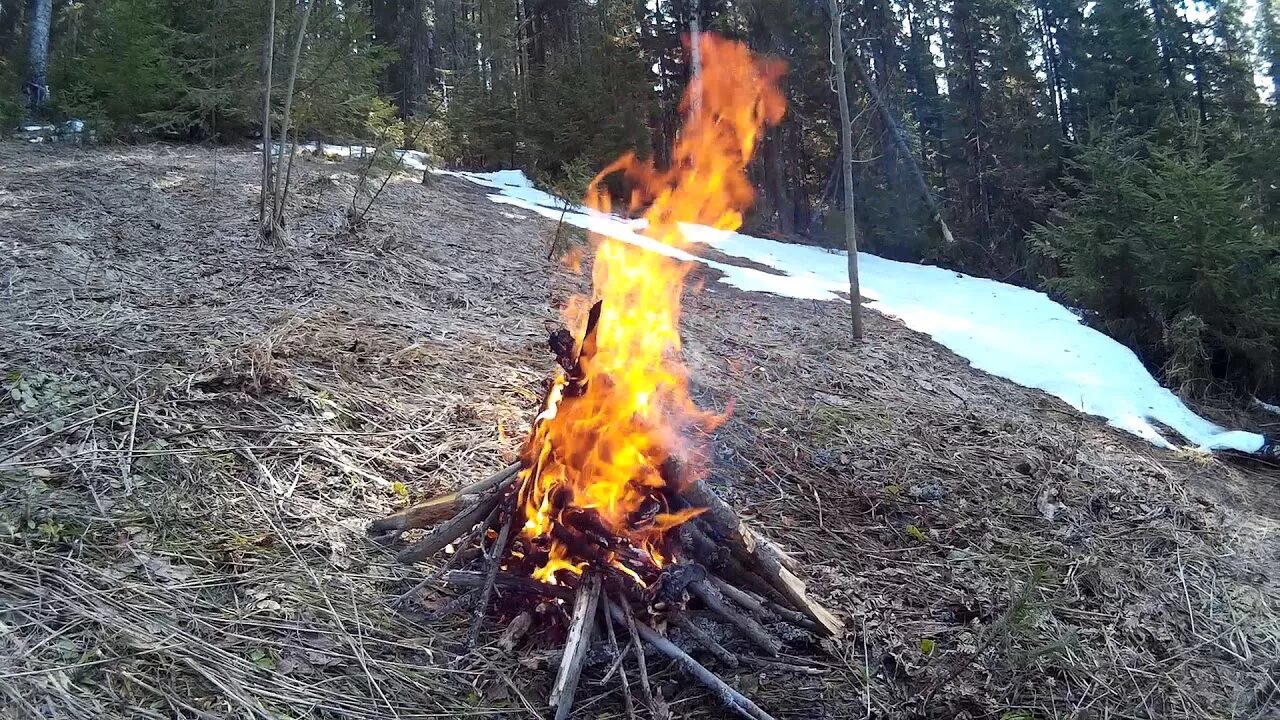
<point x="712" y="569"/>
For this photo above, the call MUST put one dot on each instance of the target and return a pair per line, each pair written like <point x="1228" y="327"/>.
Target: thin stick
<point x="126" y="463"/>
<point x="630" y="621"/>
<point x="798" y="619"/>
<point x="732" y="699"/>
<point x="797" y="668"/>
<point x="491" y="575"/>
<point x="627" y="702"/>
<point x="430" y="511"/>
<point x="576" y="646"/>
<point x="705" y="640"/>
<point x="1185" y="594"/>
<point x="746" y="600"/>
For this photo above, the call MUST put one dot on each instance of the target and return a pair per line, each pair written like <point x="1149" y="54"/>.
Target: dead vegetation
<point x="197" y="430"/>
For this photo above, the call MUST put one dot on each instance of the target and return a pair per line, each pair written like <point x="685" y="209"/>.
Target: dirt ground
<point x="195" y="430"/>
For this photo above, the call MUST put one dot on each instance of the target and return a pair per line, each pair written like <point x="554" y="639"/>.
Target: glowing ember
<point x="619" y="436"/>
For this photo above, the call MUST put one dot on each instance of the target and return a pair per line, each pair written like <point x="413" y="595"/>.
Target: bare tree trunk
<point x="38" y="56"/>
<point x="846" y="146"/>
<point x="695" y="36"/>
<point x="268" y="55"/>
<point x="278" y="194"/>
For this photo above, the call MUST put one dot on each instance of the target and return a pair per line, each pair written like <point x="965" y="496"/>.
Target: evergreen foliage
<point x="1159" y="244"/>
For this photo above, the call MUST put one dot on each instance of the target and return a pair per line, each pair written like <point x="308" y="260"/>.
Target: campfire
<point x="605" y="520"/>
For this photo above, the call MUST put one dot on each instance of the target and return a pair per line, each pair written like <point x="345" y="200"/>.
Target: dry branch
<point x="494" y="561"/>
<point x="765" y="559"/>
<point x="627" y="702"/>
<point x="440" y="507"/>
<point x="732" y="699"/>
<point x="437" y="539"/>
<point x="576" y="645"/>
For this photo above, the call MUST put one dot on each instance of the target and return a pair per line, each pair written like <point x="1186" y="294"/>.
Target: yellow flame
<point x="604" y="450"/>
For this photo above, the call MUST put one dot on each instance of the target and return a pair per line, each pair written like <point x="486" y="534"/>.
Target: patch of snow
<point x="412" y="159"/>
<point x="1009" y="331"/>
<point x="514" y="216"/>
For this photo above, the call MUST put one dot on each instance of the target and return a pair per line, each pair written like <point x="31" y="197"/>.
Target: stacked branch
<point x="726" y="571"/>
<point x="724" y="568"/>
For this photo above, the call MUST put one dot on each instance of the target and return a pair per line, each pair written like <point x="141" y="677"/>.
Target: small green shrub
<point x="1163" y="245"/>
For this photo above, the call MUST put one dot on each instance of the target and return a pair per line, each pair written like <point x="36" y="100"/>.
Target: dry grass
<point x="197" y="430"/>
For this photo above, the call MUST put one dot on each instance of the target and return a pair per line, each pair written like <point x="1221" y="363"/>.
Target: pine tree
<point x="1120" y="67"/>
<point x="1268" y="31"/>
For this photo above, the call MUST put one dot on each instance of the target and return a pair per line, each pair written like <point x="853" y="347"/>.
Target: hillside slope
<point x="197" y="429"/>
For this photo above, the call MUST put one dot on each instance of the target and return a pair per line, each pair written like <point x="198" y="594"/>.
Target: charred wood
<point x="507" y="581"/>
<point x="732" y="699"/>
<point x="703" y="638"/>
<point x="745" y="625"/>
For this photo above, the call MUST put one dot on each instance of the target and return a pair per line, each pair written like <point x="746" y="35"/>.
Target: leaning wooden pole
<point x="846" y="147"/>
<point x="886" y="117"/>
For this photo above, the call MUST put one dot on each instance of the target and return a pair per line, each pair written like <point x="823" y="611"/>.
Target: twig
<point x="797" y="668"/>
<point x="491" y="575"/>
<point x="627" y="702"/>
<point x="731" y="698"/>
<point x="45" y="438"/>
<point x="126" y="463"/>
<point x="629" y="620"/>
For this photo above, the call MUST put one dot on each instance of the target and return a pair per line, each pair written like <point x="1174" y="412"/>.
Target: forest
<point x="1118" y="154"/>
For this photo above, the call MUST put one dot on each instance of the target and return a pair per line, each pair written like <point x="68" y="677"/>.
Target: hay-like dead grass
<point x="201" y="428"/>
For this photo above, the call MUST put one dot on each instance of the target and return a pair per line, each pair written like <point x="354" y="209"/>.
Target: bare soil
<point x="194" y="431"/>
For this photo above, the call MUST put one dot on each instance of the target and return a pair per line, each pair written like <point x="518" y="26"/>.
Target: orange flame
<point x="619" y="435"/>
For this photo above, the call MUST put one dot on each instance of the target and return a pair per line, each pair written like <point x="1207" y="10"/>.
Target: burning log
<point x="717" y="591"/>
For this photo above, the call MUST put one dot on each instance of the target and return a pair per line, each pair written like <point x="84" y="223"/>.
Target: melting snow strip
<point x="1013" y="332"/>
